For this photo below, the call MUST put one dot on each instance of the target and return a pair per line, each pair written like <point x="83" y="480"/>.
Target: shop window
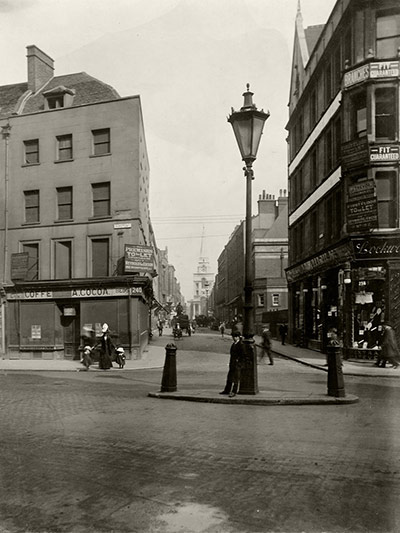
<point x="64" y="147"/>
<point x="359" y="115"/>
<point x="275" y="300"/>
<point x="64" y="203"/>
<point x="385" y="113"/>
<point x="101" y="199"/>
<point x="387" y="33"/>
<point x="261" y="300"/>
<point x="63" y="259"/>
<point x="101" y="141"/>
<point x="31" y="149"/>
<point x="32" y="207"/>
<point x="100" y="257"/>
<point x="385" y="192"/>
<point x="32" y="249"/>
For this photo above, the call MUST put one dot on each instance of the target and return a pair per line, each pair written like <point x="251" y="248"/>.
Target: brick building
<point x="344" y="237"/>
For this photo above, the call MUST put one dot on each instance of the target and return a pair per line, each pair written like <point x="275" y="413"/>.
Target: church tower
<point x="203" y="282"/>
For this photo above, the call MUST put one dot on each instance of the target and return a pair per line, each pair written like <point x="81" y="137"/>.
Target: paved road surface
<point x="91" y="453"/>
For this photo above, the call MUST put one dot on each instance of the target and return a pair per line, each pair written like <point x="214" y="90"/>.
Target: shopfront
<point x="354" y="296"/>
<point x="51" y="322"/>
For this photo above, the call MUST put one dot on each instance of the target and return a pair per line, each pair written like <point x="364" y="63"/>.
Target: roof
<point x="87" y="89"/>
<point x="312" y="34"/>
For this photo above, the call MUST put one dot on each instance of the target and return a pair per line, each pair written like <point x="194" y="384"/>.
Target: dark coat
<point x="390" y="349"/>
<point x="106" y="349"/>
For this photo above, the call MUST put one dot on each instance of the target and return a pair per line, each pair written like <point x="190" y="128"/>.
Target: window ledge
<point x="100" y="155"/>
<point x="105" y="217"/>
<point x="63" y="160"/>
<point x="64" y="220"/>
<point x="30" y="224"/>
<point x="30" y="164"/>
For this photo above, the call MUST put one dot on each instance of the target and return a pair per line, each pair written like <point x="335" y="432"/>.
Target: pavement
<point x="154" y="357"/>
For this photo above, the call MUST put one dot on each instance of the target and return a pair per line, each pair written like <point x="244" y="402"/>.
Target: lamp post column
<point x="249" y="381"/>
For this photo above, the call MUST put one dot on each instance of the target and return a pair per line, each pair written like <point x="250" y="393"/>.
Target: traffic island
<point x="262" y="398"/>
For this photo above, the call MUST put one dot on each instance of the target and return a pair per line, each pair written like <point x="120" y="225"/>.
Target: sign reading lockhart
<point x="384" y="153"/>
<point x="377" y="248"/>
<point x="362" y="206"/>
<point x="138" y="258"/>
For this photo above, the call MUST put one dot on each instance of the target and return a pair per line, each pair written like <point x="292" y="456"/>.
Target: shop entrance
<point x="70" y="322"/>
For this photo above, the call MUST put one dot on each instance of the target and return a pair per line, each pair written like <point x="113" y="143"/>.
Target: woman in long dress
<point x="106" y="348"/>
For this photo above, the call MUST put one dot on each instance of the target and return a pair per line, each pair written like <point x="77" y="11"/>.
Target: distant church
<point x="203" y="282"/>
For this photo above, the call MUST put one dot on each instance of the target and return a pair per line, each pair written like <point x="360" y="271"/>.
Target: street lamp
<point x="248" y="124"/>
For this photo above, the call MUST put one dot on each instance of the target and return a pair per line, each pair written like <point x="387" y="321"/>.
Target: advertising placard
<point x="362" y="206"/>
<point x="138" y="258"/>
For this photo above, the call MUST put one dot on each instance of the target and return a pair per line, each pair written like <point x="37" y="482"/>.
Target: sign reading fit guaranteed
<point x="138" y="258"/>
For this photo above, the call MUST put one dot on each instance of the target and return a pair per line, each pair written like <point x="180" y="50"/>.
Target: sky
<point x="190" y="61"/>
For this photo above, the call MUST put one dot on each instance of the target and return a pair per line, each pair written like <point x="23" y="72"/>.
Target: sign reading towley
<point x="138" y="258"/>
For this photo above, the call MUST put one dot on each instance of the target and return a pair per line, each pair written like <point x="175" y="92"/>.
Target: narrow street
<point x="90" y="452"/>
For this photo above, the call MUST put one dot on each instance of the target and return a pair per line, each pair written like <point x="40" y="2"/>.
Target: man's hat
<point x="236" y="333"/>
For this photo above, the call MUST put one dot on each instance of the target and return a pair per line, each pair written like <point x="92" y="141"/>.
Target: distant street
<point x="90" y="452"/>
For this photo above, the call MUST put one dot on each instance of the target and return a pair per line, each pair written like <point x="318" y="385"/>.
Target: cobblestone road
<point x="90" y="452"/>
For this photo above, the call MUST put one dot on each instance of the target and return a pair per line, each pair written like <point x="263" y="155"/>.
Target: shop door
<point x="71" y="335"/>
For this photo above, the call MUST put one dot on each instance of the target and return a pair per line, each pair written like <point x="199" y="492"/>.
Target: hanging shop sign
<point x="376" y="70"/>
<point x="377" y="248"/>
<point x="384" y="153"/>
<point x="84" y="292"/>
<point x="138" y="258"/>
<point x="362" y="206"/>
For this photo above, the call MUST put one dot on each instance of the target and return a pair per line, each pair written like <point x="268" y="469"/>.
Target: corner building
<point x="75" y="191"/>
<point x="344" y="237"/>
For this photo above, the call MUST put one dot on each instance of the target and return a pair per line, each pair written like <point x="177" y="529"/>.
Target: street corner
<point x="262" y="398"/>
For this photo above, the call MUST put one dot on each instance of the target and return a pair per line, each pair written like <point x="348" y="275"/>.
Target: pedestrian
<point x="160" y="327"/>
<point x="266" y="346"/>
<point x="222" y="329"/>
<point x="389" y="351"/>
<point x="235" y="366"/>
<point x="87" y="357"/>
<point x="106" y="348"/>
<point x="237" y="326"/>
<point x="120" y="357"/>
<point x="283" y="332"/>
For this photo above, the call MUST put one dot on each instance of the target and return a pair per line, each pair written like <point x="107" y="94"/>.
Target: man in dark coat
<point x="235" y="365"/>
<point x="106" y="349"/>
<point x="389" y="350"/>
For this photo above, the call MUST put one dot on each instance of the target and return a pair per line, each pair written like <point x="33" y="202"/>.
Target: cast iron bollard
<point x="168" y="383"/>
<point x="335" y="374"/>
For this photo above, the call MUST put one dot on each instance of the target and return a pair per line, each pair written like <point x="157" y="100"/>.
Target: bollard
<point x="335" y="373"/>
<point x="168" y="383"/>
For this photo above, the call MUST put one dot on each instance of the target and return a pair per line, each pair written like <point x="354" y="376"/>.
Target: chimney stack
<point x="40" y="68"/>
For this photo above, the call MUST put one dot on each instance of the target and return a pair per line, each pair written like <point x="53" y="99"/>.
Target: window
<point x="54" y="102"/>
<point x="100" y="257"/>
<point x="328" y="84"/>
<point x="62" y="259"/>
<point x="31" y="206"/>
<point x="101" y="199"/>
<point x="385" y="113"/>
<point x="64" y="145"/>
<point x="387" y="33"/>
<point x="101" y="142"/>
<point x="313" y="109"/>
<point x="32" y="249"/>
<point x="31" y="152"/>
<point x="314" y="230"/>
<point x="313" y="169"/>
<point x="385" y="192"/>
<point x="275" y="300"/>
<point x="328" y="150"/>
<point x="261" y="300"/>
<point x="359" y="115"/>
<point x="64" y="203"/>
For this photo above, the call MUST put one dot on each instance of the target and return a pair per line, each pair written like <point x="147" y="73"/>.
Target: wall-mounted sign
<point x="320" y="262"/>
<point x="36" y="331"/>
<point x="123" y="225"/>
<point x="69" y="311"/>
<point x="19" y="265"/>
<point x="138" y="258"/>
<point x="84" y="292"/>
<point x="384" y="153"/>
<point x="355" y="153"/>
<point x="362" y="206"/>
<point x="377" y="247"/>
<point x="381" y="69"/>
